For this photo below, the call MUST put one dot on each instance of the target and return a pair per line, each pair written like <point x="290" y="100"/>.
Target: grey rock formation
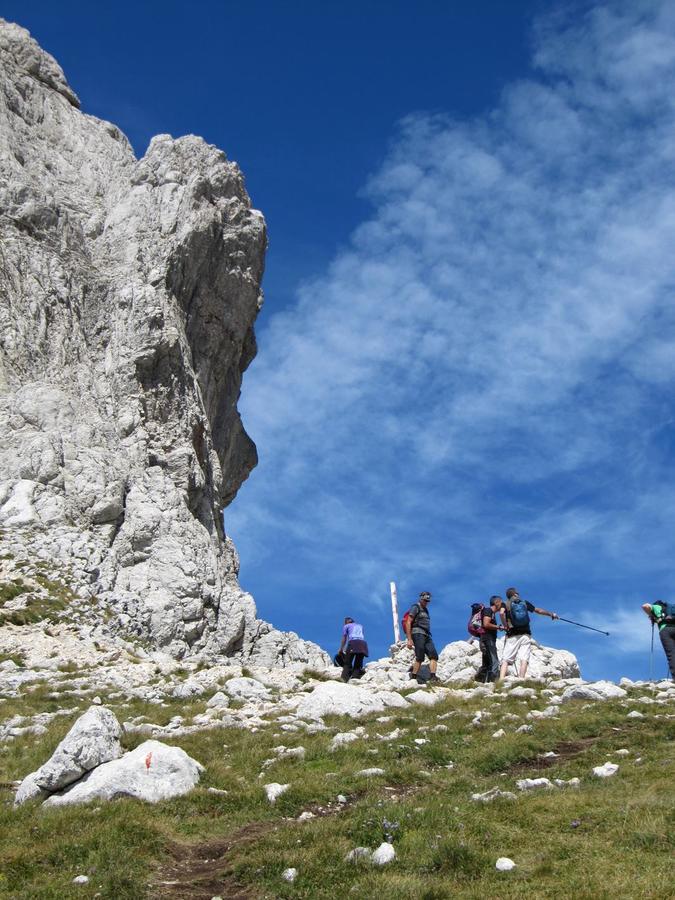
<point x="128" y="293"/>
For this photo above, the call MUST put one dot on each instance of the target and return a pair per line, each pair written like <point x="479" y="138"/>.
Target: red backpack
<point x="404" y="621"/>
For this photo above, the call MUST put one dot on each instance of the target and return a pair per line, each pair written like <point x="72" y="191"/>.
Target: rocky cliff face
<point x="128" y="293"/>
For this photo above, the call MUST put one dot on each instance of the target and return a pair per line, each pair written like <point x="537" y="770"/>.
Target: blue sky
<point x="466" y="367"/>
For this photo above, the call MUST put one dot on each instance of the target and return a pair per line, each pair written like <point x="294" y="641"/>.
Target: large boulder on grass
<point x="93" y="739"/>
<point x="345" y="700"/>
<point x="152" y="772"/>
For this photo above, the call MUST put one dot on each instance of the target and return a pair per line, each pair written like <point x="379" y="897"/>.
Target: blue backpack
<point x="518" y="614"/>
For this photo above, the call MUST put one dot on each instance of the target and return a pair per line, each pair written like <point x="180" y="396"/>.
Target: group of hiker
<point x="511" y="616"/>
<point x="485" y="623"/>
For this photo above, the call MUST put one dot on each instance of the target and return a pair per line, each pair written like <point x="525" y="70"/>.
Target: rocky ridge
<point x="128" y="292"/>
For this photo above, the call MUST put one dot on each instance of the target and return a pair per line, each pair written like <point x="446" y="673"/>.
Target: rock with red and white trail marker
<point x="152" y="772"/>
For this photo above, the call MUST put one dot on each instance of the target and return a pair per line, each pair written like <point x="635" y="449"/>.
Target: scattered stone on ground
<point x="384" y="854"/>
<point x="532" y="784"/>
<point x="275" y="790"/>
<point x="504" y="864"/>
<point x="493" y="794"/>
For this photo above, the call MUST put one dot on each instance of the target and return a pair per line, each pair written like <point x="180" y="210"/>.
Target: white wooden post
<point x="394" y="611"/>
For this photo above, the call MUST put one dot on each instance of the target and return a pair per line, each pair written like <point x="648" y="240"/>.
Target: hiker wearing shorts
<point x="662" y="614"/>
<point x="418" y="632"/>
<point x="518" y="643"/>
<point x="353" y="649"/>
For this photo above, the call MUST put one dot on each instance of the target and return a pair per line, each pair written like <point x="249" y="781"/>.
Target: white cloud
<point x="480" y="378"/>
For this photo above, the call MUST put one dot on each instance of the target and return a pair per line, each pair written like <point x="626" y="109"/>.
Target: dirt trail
<point x="202" y="871"/>
<point x="564" y="750"/>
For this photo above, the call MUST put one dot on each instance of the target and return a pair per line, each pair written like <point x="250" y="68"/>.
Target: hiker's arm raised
<point x="545" y="612"/>
<point x="647" y="607"/>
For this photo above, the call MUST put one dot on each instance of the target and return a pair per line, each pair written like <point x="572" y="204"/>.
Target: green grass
<point x="17" y="658"/>
<point x="12" y="589"/>
<point x="51" y="604"/>
<point x="446" y="845"/>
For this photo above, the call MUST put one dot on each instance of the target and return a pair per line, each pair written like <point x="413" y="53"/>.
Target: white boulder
<point x="595" y="690"/>
<point x="218" y="701"/>
<point x="334" y="697"/>
<point x="342" y="738"/>
<point x="93" y="739"/>
<point x="246" y="689"/>
<point x="605" y="771"/>
<point x="504" y="864"/>
<point x="427" y="698"/>
<point x="152" y="772"/>
<point x="533" y="784"/>
<point x="384" y="854"/>
<point x="274" y="790"/>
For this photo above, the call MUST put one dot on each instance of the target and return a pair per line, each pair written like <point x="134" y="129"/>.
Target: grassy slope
<point x="446" y="845"/>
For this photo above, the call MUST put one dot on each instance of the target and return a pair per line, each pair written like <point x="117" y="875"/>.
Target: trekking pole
<point x="579" y="625"/>
<point x="651" y="657"/>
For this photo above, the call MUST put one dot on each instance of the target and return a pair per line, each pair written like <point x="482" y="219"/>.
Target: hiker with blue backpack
<point x="518" y="643"/>
<point x="483" y="624"/>
<point x="662" y="614"/>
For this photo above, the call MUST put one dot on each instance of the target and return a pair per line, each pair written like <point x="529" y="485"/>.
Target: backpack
<point x="408" y="618"/>
<point x="475" y="623"/>
<point x="518" y="614"/>
<point x="667" y="616"/>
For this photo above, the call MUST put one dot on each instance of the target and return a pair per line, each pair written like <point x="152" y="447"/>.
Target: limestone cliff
<point x="128" y="293"/>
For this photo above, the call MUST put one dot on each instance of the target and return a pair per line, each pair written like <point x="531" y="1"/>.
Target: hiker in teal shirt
<point x="662" y="612"/>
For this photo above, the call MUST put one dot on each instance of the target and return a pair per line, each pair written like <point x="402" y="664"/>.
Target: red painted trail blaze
<point x="148" y="760"/>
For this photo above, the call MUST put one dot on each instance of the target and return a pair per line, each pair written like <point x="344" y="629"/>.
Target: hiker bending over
<point x="486" y="630"/>
<point x="662" y="613"/>
<point x="418" y="632"/>
<point x="518" y="643"/>
<point x="353" y="648"/>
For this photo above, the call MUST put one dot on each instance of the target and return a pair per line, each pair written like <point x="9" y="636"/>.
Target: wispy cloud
<point x="482" y="382"/>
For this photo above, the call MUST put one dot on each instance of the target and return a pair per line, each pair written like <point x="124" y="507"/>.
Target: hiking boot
<point x="412" y="676"/>
<point x="434" y="679"/>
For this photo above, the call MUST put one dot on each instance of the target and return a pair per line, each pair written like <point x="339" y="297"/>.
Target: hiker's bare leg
<point x="432" y="666"/>
<point x="504" y="668"/>
<point x="523" y="668"/>
<point x="416" y="667"/>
